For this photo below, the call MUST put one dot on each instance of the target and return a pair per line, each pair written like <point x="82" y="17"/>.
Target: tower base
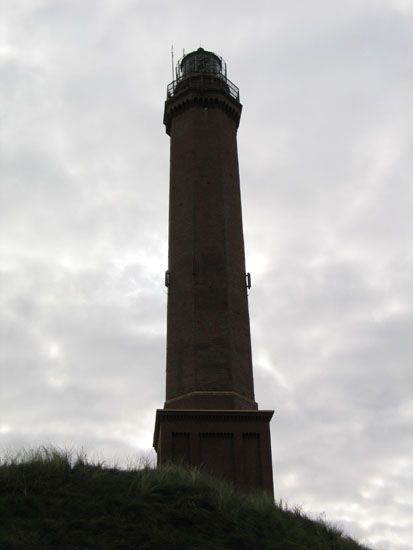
<point x="232" y="444"/>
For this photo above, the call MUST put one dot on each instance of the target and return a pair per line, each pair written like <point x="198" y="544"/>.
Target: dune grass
<point x="50" y="499"/>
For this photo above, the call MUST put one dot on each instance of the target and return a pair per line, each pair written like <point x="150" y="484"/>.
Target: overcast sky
<point x="325" y="146"/>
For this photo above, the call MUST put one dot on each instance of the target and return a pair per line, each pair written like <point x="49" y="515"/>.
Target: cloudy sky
<point x="325" y="146"/>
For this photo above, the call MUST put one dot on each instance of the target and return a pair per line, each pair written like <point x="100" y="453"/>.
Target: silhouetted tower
<point x="210" y="417"/>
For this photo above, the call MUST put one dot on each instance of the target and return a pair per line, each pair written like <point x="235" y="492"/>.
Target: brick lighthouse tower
<point x="210" y="418"/>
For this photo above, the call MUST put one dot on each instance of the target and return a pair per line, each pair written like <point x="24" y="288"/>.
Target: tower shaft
<point x="208" y="336"/>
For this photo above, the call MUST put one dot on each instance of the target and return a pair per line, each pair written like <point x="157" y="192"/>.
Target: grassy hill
<point x="49" y="501"/>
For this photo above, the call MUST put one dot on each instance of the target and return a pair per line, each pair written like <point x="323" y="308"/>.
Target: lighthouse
<point x="210" y="418"/>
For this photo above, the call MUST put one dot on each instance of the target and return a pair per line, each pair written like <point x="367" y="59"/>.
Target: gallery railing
<point x="202" y="80"/>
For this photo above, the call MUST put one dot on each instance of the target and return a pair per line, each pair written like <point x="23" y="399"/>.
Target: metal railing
<point x="204" y="81"/>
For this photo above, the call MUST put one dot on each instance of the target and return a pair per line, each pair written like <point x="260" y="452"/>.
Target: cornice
<point x="200" y="98"/>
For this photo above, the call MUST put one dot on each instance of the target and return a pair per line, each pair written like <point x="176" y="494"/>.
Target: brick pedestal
<point x="234" y="445"/>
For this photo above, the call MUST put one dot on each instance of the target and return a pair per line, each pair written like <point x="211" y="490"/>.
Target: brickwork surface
<point x="208" y="343"/>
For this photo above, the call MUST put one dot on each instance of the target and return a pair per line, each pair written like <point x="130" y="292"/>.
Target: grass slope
<point x="49" y="501"/>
